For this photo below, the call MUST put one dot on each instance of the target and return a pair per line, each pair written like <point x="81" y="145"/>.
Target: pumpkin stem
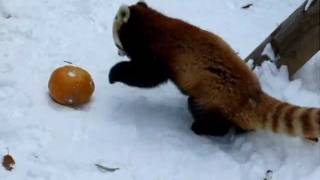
<point x="68" y="62"/>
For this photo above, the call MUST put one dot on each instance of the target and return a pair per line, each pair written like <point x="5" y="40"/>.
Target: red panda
<point x="223" y="92"/>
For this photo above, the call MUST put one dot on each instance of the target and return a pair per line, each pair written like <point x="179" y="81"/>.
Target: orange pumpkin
<point x="71" y="85"/>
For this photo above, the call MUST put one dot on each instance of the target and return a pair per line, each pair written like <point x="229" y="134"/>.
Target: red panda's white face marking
<point x="121" y="18"/>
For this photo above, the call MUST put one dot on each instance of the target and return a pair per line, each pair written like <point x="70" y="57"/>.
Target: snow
<point x="268" y="51"/>
<point x="3" y="11"/>
<point x="250" y="63"/>
<point x="144" y="133"/>
<point x="72" y="74"/>
<point x="310" y="74"/>
<point x="309" y="2"/>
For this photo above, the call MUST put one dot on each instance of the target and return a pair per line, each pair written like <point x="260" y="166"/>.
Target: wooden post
<point x="296" y="40"/>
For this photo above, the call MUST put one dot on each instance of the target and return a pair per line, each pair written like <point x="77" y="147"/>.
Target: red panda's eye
<point x="123" y="14"/>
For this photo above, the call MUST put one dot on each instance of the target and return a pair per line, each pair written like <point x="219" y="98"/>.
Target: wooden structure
<point x="296" y="40"/>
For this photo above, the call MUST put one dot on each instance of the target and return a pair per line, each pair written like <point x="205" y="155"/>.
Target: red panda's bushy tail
<point x="282" y="117"/>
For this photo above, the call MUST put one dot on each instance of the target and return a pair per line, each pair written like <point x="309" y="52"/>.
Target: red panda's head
<point x="133" y="35"/>
<point x="128" y="30"/>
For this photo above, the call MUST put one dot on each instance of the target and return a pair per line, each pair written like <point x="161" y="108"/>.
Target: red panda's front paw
<point x="137" y="74"/>
<point x="118" y="72"/>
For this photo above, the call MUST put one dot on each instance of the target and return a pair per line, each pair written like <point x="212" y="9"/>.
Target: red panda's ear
<point x="142" y="3"/>
<point x="123" y="14"/>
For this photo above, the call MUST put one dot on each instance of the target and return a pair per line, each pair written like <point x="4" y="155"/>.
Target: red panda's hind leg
<point x="207" y="122"/>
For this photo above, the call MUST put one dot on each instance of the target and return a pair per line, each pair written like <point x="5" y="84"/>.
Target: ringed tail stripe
<point x="288" y="118"/>
<point x="318" y="121"/>
<point x="307" y="126"/>
<point x="279" y="110"/>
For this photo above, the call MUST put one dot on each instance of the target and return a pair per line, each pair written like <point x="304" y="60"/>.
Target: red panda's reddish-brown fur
<point x="205" y="67"/>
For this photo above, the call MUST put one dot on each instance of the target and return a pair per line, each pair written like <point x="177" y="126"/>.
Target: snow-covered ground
<point x="145" y="133"/>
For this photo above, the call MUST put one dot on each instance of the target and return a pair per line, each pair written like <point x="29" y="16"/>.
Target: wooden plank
<point x="295" y="41"/>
